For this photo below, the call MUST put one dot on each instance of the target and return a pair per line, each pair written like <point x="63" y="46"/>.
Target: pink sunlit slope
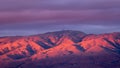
<point x="61" y="49"/>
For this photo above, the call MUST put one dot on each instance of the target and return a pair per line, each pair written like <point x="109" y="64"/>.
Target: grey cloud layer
<point x="18" y="17"/>
<point x="58" y="4"/>
<point x="30" y="29"/>
<point x="78" y="16"/>
<point x="12" y="11"/>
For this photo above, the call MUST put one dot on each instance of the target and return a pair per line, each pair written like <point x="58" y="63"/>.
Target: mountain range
<point x="61" y="49"/>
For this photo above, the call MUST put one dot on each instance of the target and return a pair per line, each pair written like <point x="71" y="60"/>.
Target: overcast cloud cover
<point x="26" y="17"/>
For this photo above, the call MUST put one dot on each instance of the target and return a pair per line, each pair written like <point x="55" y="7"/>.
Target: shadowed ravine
<point x="61" y="49"/>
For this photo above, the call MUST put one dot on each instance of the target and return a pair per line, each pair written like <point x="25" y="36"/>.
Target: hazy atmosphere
<point x="27" y="17"/>
<point x="59" y="33"/>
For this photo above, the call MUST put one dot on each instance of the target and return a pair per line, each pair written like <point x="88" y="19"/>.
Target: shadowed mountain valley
<point x="61" y="49"/>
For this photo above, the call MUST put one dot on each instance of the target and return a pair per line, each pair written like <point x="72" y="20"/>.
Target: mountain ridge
<point x="65" y="44"/>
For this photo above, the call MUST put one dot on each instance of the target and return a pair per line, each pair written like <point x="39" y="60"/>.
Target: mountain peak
<point x="66" y="32"/>
<point x="75" y="36"/>
<point x="61" y="46"/>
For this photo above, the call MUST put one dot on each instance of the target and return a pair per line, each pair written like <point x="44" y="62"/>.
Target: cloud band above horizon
<point x="58" y="12"/>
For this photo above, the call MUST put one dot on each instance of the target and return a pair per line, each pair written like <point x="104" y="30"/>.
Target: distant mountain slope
<point x="61" y="49"/>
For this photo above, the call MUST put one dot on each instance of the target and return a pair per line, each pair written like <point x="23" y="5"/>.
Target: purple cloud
<point x="58" y="4"/>
<point x="79" y="16"/>
<point x="12" y="11"/>
<point x="20" y="16"/>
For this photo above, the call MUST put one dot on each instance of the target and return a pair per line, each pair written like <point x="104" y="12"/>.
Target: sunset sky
<point x="27" y="17"/>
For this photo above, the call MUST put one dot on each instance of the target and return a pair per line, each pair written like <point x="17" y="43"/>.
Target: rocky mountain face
<point x="61" y="49"/>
